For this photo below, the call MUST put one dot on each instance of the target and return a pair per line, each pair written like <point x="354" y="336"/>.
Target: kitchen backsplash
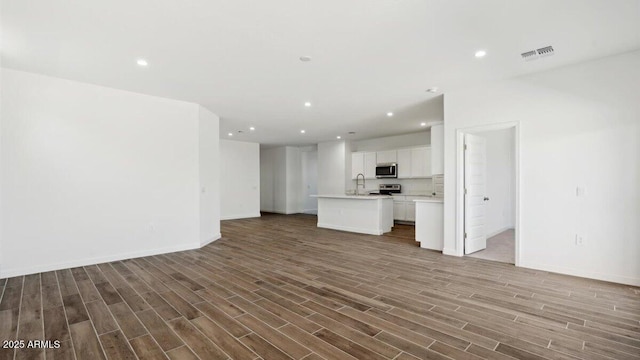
<point x="409" y="186"/>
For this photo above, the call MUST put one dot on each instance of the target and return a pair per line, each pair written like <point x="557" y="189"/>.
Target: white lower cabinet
<point x="411" y="211"/>
<point x="404" y="208"/>
<point x="399" y="210"/>
<point x="430" y="224"/>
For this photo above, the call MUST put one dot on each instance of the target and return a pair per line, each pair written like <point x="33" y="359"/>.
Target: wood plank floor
<point x="277" y="287"/>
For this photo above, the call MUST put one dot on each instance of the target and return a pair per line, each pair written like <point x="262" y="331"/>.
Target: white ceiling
<point x="240" y="58"/>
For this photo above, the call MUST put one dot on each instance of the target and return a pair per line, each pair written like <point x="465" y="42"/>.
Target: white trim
<point x="459" y="249"/>
<point x="352" y="229"/>
<point x="214" y="238"/>
<point x="240" y="216"/>
<point x="10" y="272"/>
<point x="584" y="274"/>
<point x="310" y="211"/>
<point x="450" y="252"/>
<point x="280" y="212"/>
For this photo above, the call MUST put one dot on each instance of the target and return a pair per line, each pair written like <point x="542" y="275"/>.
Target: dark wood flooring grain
<point x="277" y="287"/>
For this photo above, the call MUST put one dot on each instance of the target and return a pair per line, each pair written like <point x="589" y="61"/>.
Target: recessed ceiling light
<point x="307" y="104"/>
<point x="432" y="90"/>
<point x="142" y="62"/>
<point x="230" y="134"/>
<point x="252" y="128"/>
<point x="302" y="131"/>
<point x="423" y="124"/>
<point x="389" y="114"/>
<point x="480" y="53"/>
<point x="305" y="58"/>
<point x="338" y="137"/>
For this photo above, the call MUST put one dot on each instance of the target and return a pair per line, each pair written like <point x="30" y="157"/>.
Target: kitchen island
<point x="365" y="214"/>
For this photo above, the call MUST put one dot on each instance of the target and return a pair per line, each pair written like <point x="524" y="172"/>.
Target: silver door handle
<point x="486" y="199"/>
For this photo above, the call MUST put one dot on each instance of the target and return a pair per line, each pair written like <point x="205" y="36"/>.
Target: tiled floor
<point x="277" y="287"/>
<point x="500" y="247"/>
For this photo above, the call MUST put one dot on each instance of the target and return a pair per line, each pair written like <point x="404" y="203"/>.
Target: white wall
<point x="240" y="179"/>
<point x="93" y="174"/>
<point x="579" y="126"/>
<point x="293" y="176"/>
<point x="393" y="142"/>
<point x="437" y="149"/>
<point x="499" y="181"/>
<point x="209" y="175"/>
<point x="332" y="167"/>
<point x="1" y="151"/>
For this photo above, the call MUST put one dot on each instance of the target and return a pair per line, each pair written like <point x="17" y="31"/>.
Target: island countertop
<point x="355" y="197"/>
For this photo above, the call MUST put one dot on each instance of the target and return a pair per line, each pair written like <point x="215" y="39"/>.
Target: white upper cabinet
<point x="370" y="165"/>
<point x="413" y="163"/>
<point x="437" y="149"/>
<point x="363" y="163"/>
<point x="420" y="162"/>
<point x="386" y="157"/>
<point x="357" y="164"/>
<point x="404" y="163"/>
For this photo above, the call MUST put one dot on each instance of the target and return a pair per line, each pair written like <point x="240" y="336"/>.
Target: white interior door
<point x="475" y="188"/>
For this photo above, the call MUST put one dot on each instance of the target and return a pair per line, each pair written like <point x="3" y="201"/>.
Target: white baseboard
<point x="276" y="212"/>
<point x="310" y="211"/>
<point x="240" y="216"/>
<point x="620" y="279"/>
<point x="282" y="212"/>
<point x="18" y="271"/>
<point x="214" y="238"/>
<point x="351" y="229"/>
<point x="450" y="252"/>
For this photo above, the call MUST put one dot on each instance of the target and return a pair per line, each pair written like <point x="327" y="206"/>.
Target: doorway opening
<point x="488" y="181"/>
<point x="309" y="165"/>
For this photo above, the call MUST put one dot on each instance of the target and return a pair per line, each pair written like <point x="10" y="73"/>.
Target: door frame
<point x="460" y="208"/>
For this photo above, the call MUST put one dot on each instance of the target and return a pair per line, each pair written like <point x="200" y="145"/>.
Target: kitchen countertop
<point x="429" y="200"/>
<point x="412" y="194"/>
<point x="355" y="197"/>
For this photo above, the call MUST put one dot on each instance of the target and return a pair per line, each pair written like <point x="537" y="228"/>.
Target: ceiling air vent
<point x="545" y="51"/>
<point x="529" y="55"/>
<point x="538" y="53"/>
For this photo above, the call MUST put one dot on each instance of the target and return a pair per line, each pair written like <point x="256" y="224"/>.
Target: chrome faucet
<point x="358" y="182"/>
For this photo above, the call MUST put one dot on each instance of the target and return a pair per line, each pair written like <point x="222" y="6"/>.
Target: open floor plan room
<point x="278" y="287"/>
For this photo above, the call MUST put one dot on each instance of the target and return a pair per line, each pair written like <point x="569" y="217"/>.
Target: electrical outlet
<point x="579" y="240"/>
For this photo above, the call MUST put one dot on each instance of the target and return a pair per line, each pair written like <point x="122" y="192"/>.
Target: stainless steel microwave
<point x="387" y="170"/>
